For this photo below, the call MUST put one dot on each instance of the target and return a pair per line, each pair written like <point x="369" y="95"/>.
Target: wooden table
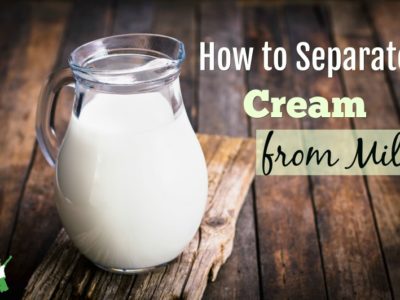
<point x="297" y="237"/>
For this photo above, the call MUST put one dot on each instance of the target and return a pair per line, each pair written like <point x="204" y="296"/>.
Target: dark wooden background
<point x="297" y="237"/>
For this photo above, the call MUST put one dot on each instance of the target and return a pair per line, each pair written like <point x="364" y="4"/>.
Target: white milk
<point x="132" y="181"/>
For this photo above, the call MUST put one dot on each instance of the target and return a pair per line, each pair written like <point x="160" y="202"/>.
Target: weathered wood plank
<point x="288" y="242"/>
<point x="220" y="112"/>
<point x="133" y="17"/>
<point x="386" y="24"/>
<point x="12" y="167"/>
<point x="350" y="246"/>
<point x="231" y="165"/>
<point x="381" y="113"/>
<point x="38" y="223"/>
<point x="29" y="64"/>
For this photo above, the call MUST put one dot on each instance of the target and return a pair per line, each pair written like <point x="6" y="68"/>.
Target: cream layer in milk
<point x="131" y="181"/>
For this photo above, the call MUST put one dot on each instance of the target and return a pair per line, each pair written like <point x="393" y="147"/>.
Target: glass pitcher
<point x="131" y="178"/>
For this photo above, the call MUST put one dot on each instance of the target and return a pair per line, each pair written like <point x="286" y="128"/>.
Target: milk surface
<point x="131" y="180"/>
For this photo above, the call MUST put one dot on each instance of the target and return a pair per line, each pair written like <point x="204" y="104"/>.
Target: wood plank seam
<point x="378" y="42"/>
<point x="17" y="44"/>
<point x="325" y="16"/>
<point x="286" y="269"/>
<point x="315" y="215"/>
<point x="253" y="185"/>
<point x="363" y="34"/>
<point x="332" y="204"/>
<point x="55" y="13"/>
<point x="21" y="195"/>
<point x="328" y="21"/>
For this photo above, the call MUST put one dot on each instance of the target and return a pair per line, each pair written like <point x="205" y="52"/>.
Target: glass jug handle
<point x="45" y="133"/>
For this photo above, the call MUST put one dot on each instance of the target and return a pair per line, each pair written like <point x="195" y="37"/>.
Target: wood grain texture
<point x="349" y="244"/>
<point x="353" y="220"/>
<point x="65" y="273"/>
<point x="12" y="170"/>
<point x="37" y="222"/>
<point x="381" y="113"/>
<point x="288" y="243"/>
<point x="30" y="62"/>
<point x="384" y="22"/>
<point x="220" y="111"/>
